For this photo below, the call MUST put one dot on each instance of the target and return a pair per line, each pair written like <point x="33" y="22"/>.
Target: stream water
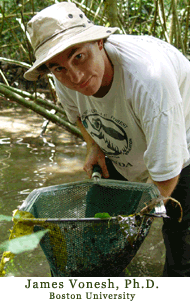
<point x="27" y="162"/>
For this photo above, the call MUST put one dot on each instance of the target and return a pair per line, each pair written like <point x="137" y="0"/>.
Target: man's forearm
<point x="95" y="155"/>
<point x="88" y="139"/>
<point x="166" y="187"/>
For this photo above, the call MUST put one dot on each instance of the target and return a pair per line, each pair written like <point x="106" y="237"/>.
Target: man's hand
<point x="95" y="155"/>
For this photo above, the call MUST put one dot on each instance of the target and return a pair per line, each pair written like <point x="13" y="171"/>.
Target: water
<point x="27" y="162"/>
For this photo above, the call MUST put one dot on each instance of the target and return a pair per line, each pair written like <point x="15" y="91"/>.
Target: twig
<point x="28" y="42"/>
<point x="161" y="15"/>
<point x="89" y="12"/>
<point x="4" y="78"/>
<point x="121" y="25"/>
<point x="46" y="123"/>
<point x="98" y="9"/>
<point x="153" y="25"/>
<point x="15" y="62"/>
<point x="52" y="88"/>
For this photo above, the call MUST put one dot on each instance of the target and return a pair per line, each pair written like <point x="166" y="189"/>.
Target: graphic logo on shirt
<point x="108" y="134"/>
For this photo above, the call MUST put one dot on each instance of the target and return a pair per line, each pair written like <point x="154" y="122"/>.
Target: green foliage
<point x="5" y="218"/>
<point x="14" y="44"/>
<point x="102" y="215"/>
<point x="132" y="16"/>
<point x="23" y="244"/>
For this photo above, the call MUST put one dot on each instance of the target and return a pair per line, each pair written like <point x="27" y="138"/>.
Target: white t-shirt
<point x="143" y="123"/>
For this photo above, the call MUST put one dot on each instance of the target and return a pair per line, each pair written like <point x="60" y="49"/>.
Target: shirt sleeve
<point x="160" y="111"/>
<point x="67" y="98"/>
<point x="167" y="149"/>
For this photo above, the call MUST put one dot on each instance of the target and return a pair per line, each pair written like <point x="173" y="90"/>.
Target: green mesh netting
<point x="92" y="247"/>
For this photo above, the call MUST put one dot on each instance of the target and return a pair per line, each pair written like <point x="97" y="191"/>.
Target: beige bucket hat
<point x="56" y="28"/>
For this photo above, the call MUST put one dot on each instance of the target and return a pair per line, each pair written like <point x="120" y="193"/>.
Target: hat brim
<point x="59" y="43"/>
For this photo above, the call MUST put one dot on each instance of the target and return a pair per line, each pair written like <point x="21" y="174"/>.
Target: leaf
<point x="102" y="215"/>
<point x="5" y="218"/>
<point x="24" y="243"/>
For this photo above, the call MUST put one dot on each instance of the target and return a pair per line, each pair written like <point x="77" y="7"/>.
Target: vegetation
<point x="165" y="19"/>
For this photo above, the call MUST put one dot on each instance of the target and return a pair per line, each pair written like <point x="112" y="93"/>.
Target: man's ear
<point x="100" y="44"/>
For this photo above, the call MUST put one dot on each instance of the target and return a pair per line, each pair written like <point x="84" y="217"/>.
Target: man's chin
<point x="90" y="92"/>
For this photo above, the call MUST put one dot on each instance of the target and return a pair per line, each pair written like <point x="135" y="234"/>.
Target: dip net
<point x="78" y="243"/>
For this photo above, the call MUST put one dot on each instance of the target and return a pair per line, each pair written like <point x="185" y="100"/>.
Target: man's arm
<point x="167" y="187"/>
<point x="94" y="154"/>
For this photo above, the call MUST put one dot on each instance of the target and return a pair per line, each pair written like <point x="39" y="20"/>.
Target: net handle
<point x="96" y="172"/>
<point x="42" y="221"/>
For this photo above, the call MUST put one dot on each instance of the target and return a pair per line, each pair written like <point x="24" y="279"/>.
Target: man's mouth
<point x="86" y="83"/>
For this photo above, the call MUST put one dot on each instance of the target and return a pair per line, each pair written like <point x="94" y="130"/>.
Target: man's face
<point x="84" y="68"/>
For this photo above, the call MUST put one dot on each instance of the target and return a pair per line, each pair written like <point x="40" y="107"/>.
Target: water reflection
<point x="5" y="140"/>
<point x="28" y="161"/>
<point x="3" y="164"/>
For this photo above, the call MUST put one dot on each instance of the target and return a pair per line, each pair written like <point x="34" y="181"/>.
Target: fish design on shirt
<point x="110" y="136"/>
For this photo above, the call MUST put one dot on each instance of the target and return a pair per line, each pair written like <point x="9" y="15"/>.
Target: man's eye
<point x="59" y="69"/>
<point x="79" y="56"/>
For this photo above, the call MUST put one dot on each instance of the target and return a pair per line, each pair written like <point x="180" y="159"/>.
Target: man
<point x="130" y="97"/>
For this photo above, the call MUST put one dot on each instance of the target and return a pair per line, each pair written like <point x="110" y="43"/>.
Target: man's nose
<point x="75" y="75"/>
